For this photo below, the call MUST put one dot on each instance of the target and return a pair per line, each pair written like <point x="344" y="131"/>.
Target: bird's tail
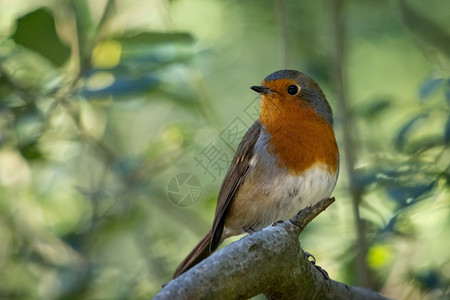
<point x="199" y="253"/>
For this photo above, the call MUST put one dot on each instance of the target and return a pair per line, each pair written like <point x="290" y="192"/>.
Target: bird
<point x="288" y="159"/>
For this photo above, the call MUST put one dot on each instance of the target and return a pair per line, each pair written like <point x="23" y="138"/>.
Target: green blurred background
<point x="118" y="120"/>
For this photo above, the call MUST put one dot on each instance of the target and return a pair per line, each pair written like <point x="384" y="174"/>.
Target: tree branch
<point x="270" y="262"/>
<point x="348" y="134"/>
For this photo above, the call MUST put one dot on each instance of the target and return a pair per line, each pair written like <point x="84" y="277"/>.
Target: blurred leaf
<point x="154" y="38"/>
<point x="447" y="131"/>
<point x="137" y="59"/>
<point x="74" y="281"/>
<point x="390" y="226"/>
<point x="136" y="63"/>
<point x="154" y="59"/>
<point x="31" y="151"/>
<point x="127" y="165"/>
<point x="447" y="92"/>
<point x="406" y="195"/>
<point x="123" y="86"/>
<point x="27" y="122"/>
<point x="183" y="97"/>
<point x="36" y="31"/>
<point x="374" y="108"/>
<point x="367" y="176"/>
<point x="405" y="131"/>
<point x="430" y="279"/>
<point x="429" y="86"/>
<point x="446" y="177"/>
<point x="424" y="144"/>
<point x="5" y="87"/>
<point x="399" y="224"/>
<point x="16" y="109"/>
<point x="424" y="28"/>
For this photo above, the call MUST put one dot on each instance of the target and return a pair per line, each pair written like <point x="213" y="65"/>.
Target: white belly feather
<point x="289" y="194"/>
<point x="269" y="193"/>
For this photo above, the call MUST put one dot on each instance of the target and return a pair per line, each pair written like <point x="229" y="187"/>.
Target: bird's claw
<point x="309" y="255"/>
<point x="324" y="273"/>
<point x="277" y="222"/>
<point x="312" y="259"/>
<point x="249" y="230"/>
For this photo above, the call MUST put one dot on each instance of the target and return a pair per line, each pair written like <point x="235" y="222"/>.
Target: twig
<point x="307" y="214"/>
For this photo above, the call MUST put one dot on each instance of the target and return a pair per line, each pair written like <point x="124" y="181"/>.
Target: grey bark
<point x="270" y="261"/>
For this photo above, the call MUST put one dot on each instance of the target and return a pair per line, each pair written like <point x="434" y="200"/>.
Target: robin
<point x="288" y="159"/>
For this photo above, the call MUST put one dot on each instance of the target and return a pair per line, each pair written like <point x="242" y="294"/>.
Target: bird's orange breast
<point x="299" y="136"/>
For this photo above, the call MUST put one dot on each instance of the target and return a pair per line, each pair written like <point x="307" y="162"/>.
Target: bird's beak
<point x="260" y="89"/>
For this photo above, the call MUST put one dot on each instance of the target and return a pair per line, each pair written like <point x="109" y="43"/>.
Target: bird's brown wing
<point x="233" y="180"/>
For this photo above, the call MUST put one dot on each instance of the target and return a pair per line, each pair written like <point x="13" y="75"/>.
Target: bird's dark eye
<point x="292" y="90"/>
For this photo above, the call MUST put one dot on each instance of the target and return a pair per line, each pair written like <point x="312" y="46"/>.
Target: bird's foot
<point x="312" y="259"/>
<point x="277" y="222"/>
<point x="249" y="230"/>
